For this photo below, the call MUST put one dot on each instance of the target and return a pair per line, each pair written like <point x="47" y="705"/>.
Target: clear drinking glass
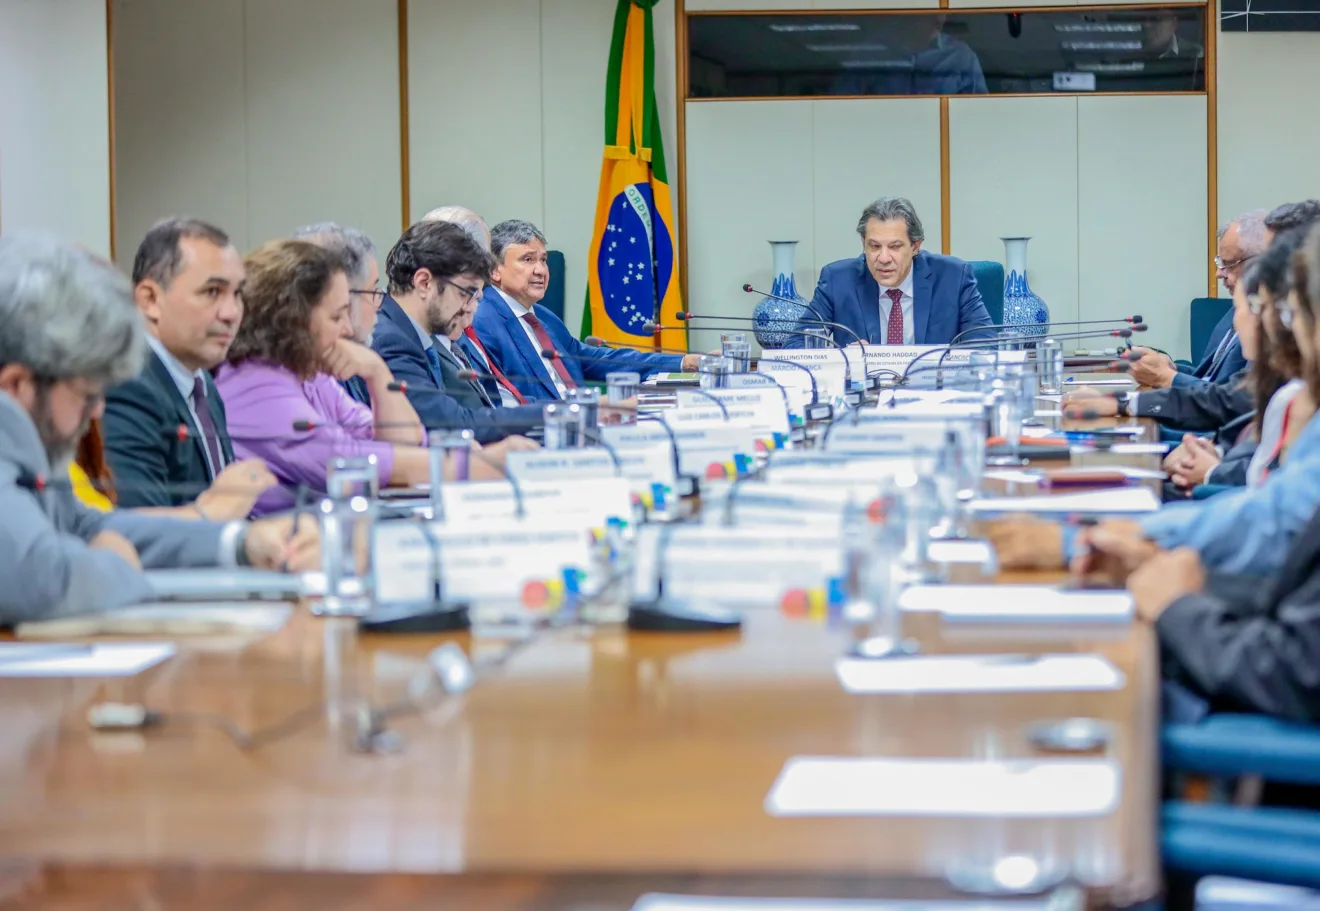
<point x="740" y="353"/>
<point x="1049" y="367"/>
<point x="587" y="398"/>
<point x="816" y="337"/>
<point x="457" y="446"/>
<point x="714" y="371"/>
<point x="347" y="515"/>
<point x="563" y="425"/>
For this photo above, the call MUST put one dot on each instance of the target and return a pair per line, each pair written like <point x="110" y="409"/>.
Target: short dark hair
<point x="440" y="246"/>
<point x="285" y="281"/>
<point x="159" y="257"/>
<point x="513" y="231"/>
<point x="1293" y="215"/>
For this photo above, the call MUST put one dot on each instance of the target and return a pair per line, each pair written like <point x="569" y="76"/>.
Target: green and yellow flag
<point x="632" y="267"/>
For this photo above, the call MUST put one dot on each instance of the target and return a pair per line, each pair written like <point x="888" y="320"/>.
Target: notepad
<point x="1018" y="604"/>
<point x="978" y="674"/>
<point x="191" y="619"/>
<point x="660" y="902"/>
<point x="855" y="786"/>
<point x="1113" y="502"/>
<point x="29" y="659"/>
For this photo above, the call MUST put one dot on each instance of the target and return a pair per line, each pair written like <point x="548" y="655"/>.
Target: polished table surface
<point x="592" y="767"/>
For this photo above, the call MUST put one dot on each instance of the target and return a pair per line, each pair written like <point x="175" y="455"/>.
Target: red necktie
<point x="494" y="371"/>
<point x="894" y="335"/>
<point x="543" y="339"/>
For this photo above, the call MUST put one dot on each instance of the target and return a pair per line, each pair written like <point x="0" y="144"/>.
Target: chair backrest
<point x="554" y="292"/>
<point x="990" y="282"/>
<point x="1206" y="314"/>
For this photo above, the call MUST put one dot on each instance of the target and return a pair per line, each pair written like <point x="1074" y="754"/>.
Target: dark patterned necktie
<point x="206" y="424"/>
<point x="894" y="334"/>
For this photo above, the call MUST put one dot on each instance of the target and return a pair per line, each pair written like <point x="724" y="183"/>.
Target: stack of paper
<point x="978" y="674"/>
<point x="1122" y="501"/>
<point x="247" y="618"/>
<point x="1018" y="603"/>
<point x="67" y="659"/>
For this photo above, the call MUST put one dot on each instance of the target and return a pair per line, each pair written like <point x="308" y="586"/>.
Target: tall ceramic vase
<point x="772" y="318"/>
<point x="1023" y="308"/>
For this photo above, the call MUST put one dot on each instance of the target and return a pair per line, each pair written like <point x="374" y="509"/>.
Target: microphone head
<point x="650" y="326"/>
<point x="1139" y="327"/>
<point x="682" y="316"/>
<point x="396" y="386"/>
<point x="1133" y="319"/>
<point x="549" y="354"/>
<point x="303" y="426"/>
<point x="749" y="289"/>
<point x="1131" y="355"/>
<point x="1124" y="333"/>
<point x="468" y="375"/>
<point x="594" y="341"/>
<point x="1081" y="414"/>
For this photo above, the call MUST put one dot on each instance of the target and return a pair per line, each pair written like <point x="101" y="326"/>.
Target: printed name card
<point x="519" y="561"/>
<point x="881" y="430"/>
<point x="846" y="470"/>
<point x="589" y="503"/>
<point x="762" y="408"/>
<point x="1018" y="603"/>
<point x="829" y="366"/>
<point x="759" y="567"/>
<point x="560" y="464"/>
<point x="1121" y="502"/>
<point x="897" y="358"/>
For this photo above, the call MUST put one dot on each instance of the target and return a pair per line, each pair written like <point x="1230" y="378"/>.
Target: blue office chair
<point x="1266" y="844"/>
<point x="990" y="282"/>
<point x="1206" y="314"/>
<point x="554" y="292"/>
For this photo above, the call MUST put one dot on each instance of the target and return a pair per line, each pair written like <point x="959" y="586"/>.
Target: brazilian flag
<point x="632" y="267"/>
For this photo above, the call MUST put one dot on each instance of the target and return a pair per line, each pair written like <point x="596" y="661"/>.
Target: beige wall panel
<point x="575" y="50"/>
<point x="1013" y="173"/>
<point x="180" y="117"/>
<point x="749" y="181"/>
<point x="1141" y="166"/>
<point x="323" y="116"/>
<point x="475" y="107"/>
<point x="866" y="148"/>
<point x="1267" y="77"/>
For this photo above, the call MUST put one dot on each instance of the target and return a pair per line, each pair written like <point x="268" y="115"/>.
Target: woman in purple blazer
<point x="281" y="383"/>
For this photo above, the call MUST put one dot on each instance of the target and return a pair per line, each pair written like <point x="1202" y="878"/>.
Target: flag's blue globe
<point x="636" y="261"/>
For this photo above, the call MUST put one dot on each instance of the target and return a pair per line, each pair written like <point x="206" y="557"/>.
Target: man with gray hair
<point x="530" y="344"/>
<point x="365" y="296"/>
<point x="68" y="330"/>
<point x="896" y="293"/>
<point x="465" y="218"/>
<point x="1240" y="241"/>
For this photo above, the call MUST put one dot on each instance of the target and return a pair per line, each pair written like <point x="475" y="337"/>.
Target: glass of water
<point x="347" y="515"/>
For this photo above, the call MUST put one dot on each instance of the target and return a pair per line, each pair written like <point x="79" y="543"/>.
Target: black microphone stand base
<point x="668" y="617"/>
<point x="436" y="617"/>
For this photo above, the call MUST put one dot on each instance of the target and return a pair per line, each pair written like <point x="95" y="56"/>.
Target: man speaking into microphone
<point x="517" y="331"/>
<point x="895" y="293"/>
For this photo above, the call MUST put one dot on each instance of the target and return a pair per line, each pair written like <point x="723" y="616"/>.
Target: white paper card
<point x="661" y="902"/>
<point x="972" y="550"/>
<point x="55" y="659"/>
<point x="827" y="365"/>
<point x="559" y="465"/>
<point x="980" y="674"/>
<point x="747" y="566"/>
<point x="590" y="502"/>
<point x="762" y="408"/>
<point x="197" y="618"/>
<point x="852" y="786"/>
<point x="1123" y="501"/>
<point x="1019" y="603"/>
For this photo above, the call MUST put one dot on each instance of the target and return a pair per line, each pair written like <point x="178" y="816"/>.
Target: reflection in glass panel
<point x="964" y="53"/>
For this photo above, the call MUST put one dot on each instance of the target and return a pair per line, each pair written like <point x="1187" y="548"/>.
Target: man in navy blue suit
<point x="516" y="330"/>
<point x="1240" y="241"/>
<point x="895" y="293"/>
<point x="436" y="274"/>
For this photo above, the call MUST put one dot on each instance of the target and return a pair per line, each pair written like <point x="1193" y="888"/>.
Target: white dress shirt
<point x="909" y="331"/>
<point x="519" y="311"/>
<point x="184" y="380"/>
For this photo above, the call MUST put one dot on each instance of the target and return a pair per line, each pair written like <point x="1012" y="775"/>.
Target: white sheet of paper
<point x="196" y="618"/>
<point x="1097" y="381"/>
<point x="661" y="902"/>
<point x="1018" y="603"/>
<point x="57" y="659"/>
<point x="962" y="551"/>
<point x="855" y="786"/>
<point x="979" y="674"/>
<point x="1123" y="501"/>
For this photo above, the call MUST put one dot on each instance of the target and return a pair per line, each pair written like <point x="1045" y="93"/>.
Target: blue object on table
<point x="1206" y="491"/>
<point x="1269" y="844"/>
<point x="554" y="292"/>
<point x="1206" y="314"/>
<point x="990" y="282"/>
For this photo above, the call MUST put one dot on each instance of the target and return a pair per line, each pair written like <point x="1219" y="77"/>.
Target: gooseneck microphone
<point x="1048" y="327"/>
<point x="810" y="309"/>
<point x="683" y="316"/>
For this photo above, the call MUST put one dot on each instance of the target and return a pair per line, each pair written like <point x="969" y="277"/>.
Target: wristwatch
<point x="1124" y="406"/>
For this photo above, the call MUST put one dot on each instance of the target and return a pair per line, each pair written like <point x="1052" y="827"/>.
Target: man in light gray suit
<point x="69" y="329"/>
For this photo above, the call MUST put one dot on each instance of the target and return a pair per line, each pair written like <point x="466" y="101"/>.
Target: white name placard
<point x="749" y="566"/>
<point x="897" y="358"/>
<point x="588" y="503"/>
<point x="492" y="561"/>
<point x="827" y="365"/>
<point x="761" y="408"/>
<point x="559" y="464"/>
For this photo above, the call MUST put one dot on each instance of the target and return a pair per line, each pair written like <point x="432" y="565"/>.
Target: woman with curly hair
<point x="281" y="387"/>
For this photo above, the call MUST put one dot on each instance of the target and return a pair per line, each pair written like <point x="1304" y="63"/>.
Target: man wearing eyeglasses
<point x="1240" y="241"/>
<point x="436" y="275"/>
<point x="359" y="255"/>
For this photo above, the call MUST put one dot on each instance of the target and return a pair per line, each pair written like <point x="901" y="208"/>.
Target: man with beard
<point x="436" y="274"/>
<point x="69" y="330"/>
<point x="166" y="436"/>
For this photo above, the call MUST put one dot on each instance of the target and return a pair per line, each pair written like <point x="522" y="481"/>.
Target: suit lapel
<point x="182" y="414"/>
<point x="535" y="364"/>
<point x="868" y="301"/>
<point x="922" y="286"/>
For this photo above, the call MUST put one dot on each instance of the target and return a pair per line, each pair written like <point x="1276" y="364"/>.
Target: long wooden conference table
<point x="595" y="766"/>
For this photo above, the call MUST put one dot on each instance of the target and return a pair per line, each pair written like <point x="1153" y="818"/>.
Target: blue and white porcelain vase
<point x="1023" y="308"/>
<point x="774" y="319"/>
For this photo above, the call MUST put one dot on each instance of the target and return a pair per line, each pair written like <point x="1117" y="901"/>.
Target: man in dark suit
<point x="436" y="274"/>
<point x="895" y="293"/>
<point x="166" y="439"/>
<point x="516" y="330"/>
<point x="1240" y="241"/>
